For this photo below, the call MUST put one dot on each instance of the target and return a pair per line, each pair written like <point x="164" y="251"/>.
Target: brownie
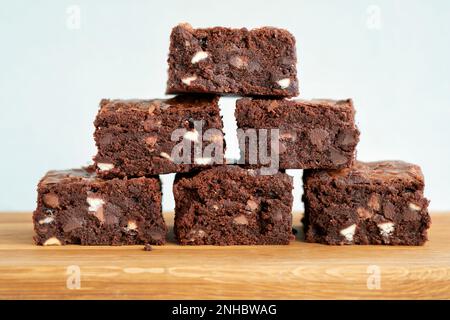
<point x="147" y="137"/>
<point x="369" y="203"/>
<point x="232" y="61"/>
<point x="77" y="207"/>
<point x="312" y="134"/>
<point x="230" y="205"/>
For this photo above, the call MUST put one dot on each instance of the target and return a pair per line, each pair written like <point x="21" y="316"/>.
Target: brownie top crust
<point x="229" y="171"/>
<point x="274" y="112"/>
<point x="193" y="102"/>
<point x="380" y="172"/>
<point x="72" y="175"/>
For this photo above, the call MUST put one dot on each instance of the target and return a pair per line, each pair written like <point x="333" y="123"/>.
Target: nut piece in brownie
<point x="147" y="137"/>
<point x="370" y="203"/>
<point x="229" y="205"/>
<point x="232" y="61"/>
<point x="77" y="207"/>
<point x="313" y="134"/>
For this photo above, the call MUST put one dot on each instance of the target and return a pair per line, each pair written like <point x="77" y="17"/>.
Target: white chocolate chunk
<point x="46" y="220"/>
<point x="191" y="135"/>
<point x="166" y="156"/>
<point x="187" y="81"/>
<point x="386" y="228"/>
<point x="284" y="83"/>
<point x="105" y="166"/>
<point x="203" y="161"/>
<point x="131" y="225"/>
<point x="94" y="203"/>
<point x="349" y="232"/>
<point x="414" y="207"/>
<point x="199" y="56"/>
<point x="53" y="241"/>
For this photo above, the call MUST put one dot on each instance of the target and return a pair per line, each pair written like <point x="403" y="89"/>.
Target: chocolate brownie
<point x="77" y="207"/>
<point x="146" y="137"/>
<point x="369" y="203"/>
<point x="232" y="61"/>
<point x="229" y="205"/>
<point x="315" y="134"/>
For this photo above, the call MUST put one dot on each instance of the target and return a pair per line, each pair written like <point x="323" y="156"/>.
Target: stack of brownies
<point x="117" y="201"/>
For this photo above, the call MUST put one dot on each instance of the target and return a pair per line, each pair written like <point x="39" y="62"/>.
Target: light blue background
<point x="391" y="57"/>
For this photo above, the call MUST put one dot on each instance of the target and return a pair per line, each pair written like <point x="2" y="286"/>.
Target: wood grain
<point x="298" y="271"/>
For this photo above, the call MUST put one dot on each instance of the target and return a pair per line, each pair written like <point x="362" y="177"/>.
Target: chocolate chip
<point x="151" y="124"/>
<point x="51" y="200"/>
<point x="347" y="137"/>
<point x="254" y="66"/>
<point x="410" y="214"/>
<point x="318" y="138"/>
<point x="278" y="216"/>
<point x="251" y="205"/>
<point x="363" y="213"/>
<point x="337" y="157"/>
<point x="238" y="62"/>
<point x="106" y="139"/>
<point x="72" y="223"/>
<point x="112" y="212"/>
<point x="374" y="202"/>
<point x="389" y="210"/>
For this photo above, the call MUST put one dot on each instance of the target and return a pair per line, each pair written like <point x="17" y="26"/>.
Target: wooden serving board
<point x="297" y="271"/>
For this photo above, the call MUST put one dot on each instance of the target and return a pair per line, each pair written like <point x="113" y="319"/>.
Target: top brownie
<point x="147" y="137"/>
<point x="232" y="61"/>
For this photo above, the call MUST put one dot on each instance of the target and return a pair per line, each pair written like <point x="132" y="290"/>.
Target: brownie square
<point x="315" y="134"/>
<point x="369" y="203"/>
<point x="232" y="61"/>
<point x="229" y="205"/>
<point x="142" y="137"/>
<point x="77" y="207"/>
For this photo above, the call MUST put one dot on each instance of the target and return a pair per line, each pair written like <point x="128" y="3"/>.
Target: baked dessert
<point x="369" y="203"/>
<point x="147" y="137"/>
<point x="77" y="207"/>
<point x="232" y="61"/>
<point x="312" y="134"/>
<point x="229" y="205"/>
